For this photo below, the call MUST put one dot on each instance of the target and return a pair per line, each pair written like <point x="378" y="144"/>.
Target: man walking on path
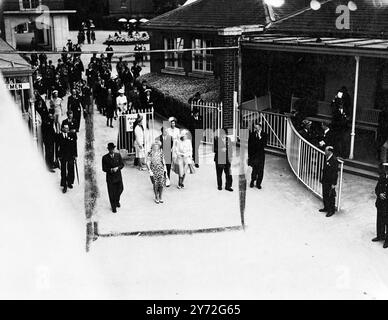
<point x="67" y="155"/>
<point x="329" y="181"/>
<point x="382" y="206"/>
<point x="112" y="164"/>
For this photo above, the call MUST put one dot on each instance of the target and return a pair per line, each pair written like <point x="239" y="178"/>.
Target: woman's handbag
<point x="168" y="182"/>
<point x="191" y="168"/>
<point x="175" y="167"/>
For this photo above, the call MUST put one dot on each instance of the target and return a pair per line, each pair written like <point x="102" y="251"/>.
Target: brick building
<point x="201" y="24"/>
<point x="211" y="23"/>
<point x="44" y="20"/>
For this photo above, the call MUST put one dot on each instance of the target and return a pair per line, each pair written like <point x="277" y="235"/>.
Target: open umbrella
<point x="132" y="21"/>
<point x="123" y="20"/>
<point x="143" y="20"/>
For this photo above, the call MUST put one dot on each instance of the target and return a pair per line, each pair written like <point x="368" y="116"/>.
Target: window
<point x="203" y="60"/>
<point x="173" y="60"/>
<point x="123" y="3"/>
<point x="29" y="4"/>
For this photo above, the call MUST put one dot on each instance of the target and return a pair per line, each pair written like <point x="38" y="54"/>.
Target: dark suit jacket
<point x="67" y="148"/>
<point x="72" y="125"/>
<point x="382" y="187"/>
<point x="74" y="104"/>
<point x="330" y="172"/>
<point x="256" y="148"/>
<point x="108" y="163"/>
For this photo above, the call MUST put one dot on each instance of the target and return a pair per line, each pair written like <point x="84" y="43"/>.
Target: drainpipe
<point x="33" y="111"/>
<point x="353" y="133"/>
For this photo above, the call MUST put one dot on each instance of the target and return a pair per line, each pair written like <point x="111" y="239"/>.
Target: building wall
<point x="137" y="8"/>
<point x="13" y="5"/>
<point x="61" y="31"/>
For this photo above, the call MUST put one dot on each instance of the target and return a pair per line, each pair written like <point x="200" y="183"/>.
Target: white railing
<point x="126" y="135"/>
<point x="307" y="163"/>
<point x="212" y="121"/>
<point x="274" y="124"/>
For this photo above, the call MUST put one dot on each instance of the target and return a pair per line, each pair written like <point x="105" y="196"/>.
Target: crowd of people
<point x="82" y="87"/>
<point x="329" y="133"/>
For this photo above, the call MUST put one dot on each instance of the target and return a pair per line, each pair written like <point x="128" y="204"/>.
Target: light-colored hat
<point x="38" y="78"/>
<point x="385" y="164"/>
<point x="55" y="91"/>
<point x="121" y="90"/>
<point x="171" y="119"/>
<point x="183" y="133"/>
<point x="147" y="90"/>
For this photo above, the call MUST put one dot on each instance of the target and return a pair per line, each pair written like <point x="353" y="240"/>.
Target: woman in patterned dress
<point x="156" y="165"/>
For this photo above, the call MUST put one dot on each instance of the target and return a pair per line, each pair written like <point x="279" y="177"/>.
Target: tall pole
<point x="353" y="133"/>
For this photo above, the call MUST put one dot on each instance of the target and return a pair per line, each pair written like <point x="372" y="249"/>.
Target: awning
<point x="363" y="47"/>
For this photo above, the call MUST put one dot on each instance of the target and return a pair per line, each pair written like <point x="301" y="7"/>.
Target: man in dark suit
<point x="70" y="122"/>
<point x="223" y="154"/>
<point x="112" y="164"/>
<point x="329" y="181"/>
<point x="48" y="136"/>
<point x="257" y="142"/>
<point x="196" y="124"/>
<point x="339" y="125"/>
<point x="67" y="154"/>
<point x="381" y="191"/>
<point x="326" y="138"/>
<point x="167" y="144"/>
<point x="74" y="105"/>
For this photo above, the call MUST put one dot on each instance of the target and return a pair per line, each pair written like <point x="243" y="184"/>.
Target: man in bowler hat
<point x="329" y="181"/>
<point x="382" y="206"/>
<point x="112" y="164"/>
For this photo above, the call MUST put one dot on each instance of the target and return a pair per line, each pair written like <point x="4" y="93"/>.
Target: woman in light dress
<point x="140" y="142"/>
<point x="173" y="131"/>
<point x="183" y="151"/>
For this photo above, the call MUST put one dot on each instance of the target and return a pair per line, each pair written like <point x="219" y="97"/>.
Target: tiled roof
<point x="212" y="14"/>
<point x="368" y="20"/>
<point x="11" y="61"/>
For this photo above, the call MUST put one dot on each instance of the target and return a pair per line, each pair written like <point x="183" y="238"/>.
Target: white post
<point x="353" y="133"/>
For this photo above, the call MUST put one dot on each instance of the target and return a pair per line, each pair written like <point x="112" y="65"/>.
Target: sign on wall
<point x="17" y="86"/>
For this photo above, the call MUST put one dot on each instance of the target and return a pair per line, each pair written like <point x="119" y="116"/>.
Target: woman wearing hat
<point x="122" y="101"/>
<point x="139" y="142"/>
<point x="156" y="165"/>
<point x="183" y="151"/>
<point x="173" y="131"/>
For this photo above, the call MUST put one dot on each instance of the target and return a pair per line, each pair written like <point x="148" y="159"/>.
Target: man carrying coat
<point x="257" y="142"/>
<point x="112" y="164"/>
<point x="329" y="182"/>
<point x="382" y="206"/>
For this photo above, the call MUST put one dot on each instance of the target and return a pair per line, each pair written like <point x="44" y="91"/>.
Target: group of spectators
<point x="331" y="132"/>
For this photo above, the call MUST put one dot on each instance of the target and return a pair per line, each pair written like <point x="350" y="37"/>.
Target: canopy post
<point x="353" y="133"/>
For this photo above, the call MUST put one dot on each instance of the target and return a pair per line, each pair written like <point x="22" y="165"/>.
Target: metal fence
<point x="307" y="163"/>
<point x="212" y="121"/>
<point x="274" y="124"/>
<point x="126" y="135"/>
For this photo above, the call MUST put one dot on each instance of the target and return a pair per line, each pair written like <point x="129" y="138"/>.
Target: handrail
<point x="307" y="161"/>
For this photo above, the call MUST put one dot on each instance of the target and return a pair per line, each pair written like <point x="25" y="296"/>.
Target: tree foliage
<point x="162" y="6"/>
